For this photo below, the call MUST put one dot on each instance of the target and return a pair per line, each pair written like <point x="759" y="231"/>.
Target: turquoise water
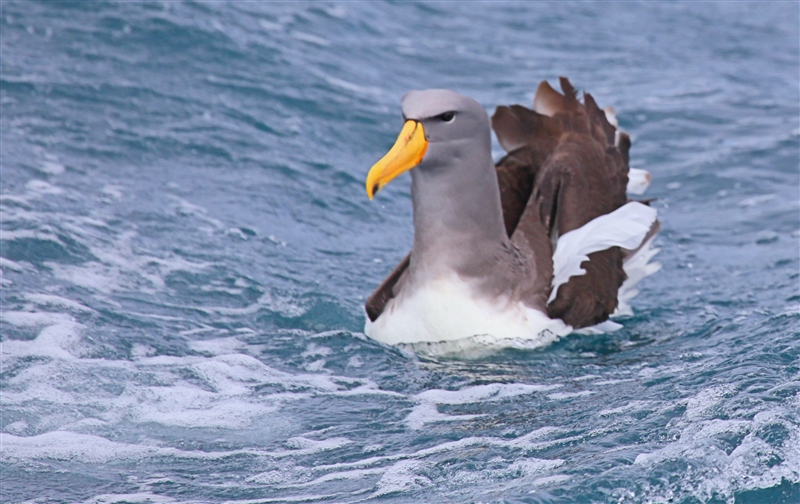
<point x="187" y="245"/>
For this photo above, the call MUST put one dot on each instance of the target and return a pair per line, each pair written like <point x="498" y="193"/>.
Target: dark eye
<point x="447" y="116"/>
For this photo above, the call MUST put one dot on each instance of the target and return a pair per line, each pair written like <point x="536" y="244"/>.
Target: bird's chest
<point x="448" y="309"/>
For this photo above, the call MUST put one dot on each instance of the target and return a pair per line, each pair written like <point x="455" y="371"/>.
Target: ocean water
<point x="187" y="246"/>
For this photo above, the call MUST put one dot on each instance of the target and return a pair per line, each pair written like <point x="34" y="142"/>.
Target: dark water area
<point x="187" y="245"/>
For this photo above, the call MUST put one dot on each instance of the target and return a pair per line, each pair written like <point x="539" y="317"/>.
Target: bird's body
<point x="526" y="250"/>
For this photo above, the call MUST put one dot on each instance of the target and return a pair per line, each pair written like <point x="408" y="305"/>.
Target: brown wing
<point x="562" y="170"/>
<point x="376" y="302"/>
<point x="530" y="139"/>
<point x="585" y="177"/>
<point x="535" y="136"/>
<point x="581" y="172"/>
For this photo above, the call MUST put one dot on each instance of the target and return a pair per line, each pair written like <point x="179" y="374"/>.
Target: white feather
<point x="601" y="328"/>
<point x="625" y="227"/>
<point x="611" y="116"/>
<point x="637" y="267"/>
<point x="638" y="181"/>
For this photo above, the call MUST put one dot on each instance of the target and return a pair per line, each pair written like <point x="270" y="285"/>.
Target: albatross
<point x="518" y="253"/>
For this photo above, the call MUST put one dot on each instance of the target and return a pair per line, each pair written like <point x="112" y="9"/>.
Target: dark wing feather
<point x="584" y="178"/>
<point x="533" y="136"/>
<point x="517" y="174"/>
<point x="530" y="239"/>
<point x="547" y="101"/>
<point x="604" y="132"/>
<point x="376" y="302"/>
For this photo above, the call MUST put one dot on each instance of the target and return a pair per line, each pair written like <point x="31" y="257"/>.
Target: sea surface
<point x="187" y="246"/>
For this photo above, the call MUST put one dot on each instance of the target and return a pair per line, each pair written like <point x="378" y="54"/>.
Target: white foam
<point x="402" y="477"/>
<point x="426" y="410"/>
<point x="313" y="39"/>
<point x="43" y="234"/>
<point x="314" y="350"/>
<point x="407" y="474"/>
<point x="613" y="381"/>
<point x="18" y="428"/>
<point x="58" y="301"/>
<point x="52" y="167"/>
<point x="752" y="464"/>
<point x="481" y="393"/>
<point x="15" y="199"/>
<point x="269" y="25"/>
<point x="34" y="319"/>
<point x="273" y="477"/>
<point x="551" y="480"/>
<point x="559" y="396"/>
<point x="757" y="200"/>
<point x="283" y="500"/>
<point x="518" y="474"/>
<point x="220" y="391"/>
<point x="85" y="448"/>
<point x="114" y="191"/>
<point x="267" y="301"/>
<point x="234" y="374"/>
<point x="69" y="446"/>
<point x="185" y="208"/>
<point x="9" y="264"/>
<point x="226" y="399"/>
<point x="701" y="404"/>
<point x="120" y="267"/>
<point x="187" y="406"/>
<point x="41" y="188"/>
<point x="129" y="497"/>
<point x="426" y="413"/>
<point x="355" y="474"/>
<point x="59" y="339"/>
<point x="355" y="88"/>
<point x="530" y="441"/>
<point x="305" y="446"/>
<point x="219" y="346"/>
<point x="95" y="276"/>
<point x="631" y="407"/>
<point x="527" y="466"/>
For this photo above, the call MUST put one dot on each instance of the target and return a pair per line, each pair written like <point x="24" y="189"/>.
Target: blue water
<point x="187" y="246"/>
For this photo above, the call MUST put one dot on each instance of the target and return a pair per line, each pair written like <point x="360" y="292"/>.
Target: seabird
<point x="541" y="244"/>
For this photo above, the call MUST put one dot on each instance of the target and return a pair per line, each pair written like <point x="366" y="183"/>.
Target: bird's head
<point x="437" y="122"/>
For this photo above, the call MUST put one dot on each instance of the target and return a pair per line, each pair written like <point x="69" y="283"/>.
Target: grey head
<point x="458" y="220"/>
<point x="449" y="115"/>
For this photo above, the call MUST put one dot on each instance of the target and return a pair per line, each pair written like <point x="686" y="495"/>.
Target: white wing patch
<point x="611" y="116"/>
<point x="625" y="227"/>
<point x="638" y="181"/>
<point x="637" y="267"/>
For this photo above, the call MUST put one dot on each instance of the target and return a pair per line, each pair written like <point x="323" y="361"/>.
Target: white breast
<point x="448" y="309"/>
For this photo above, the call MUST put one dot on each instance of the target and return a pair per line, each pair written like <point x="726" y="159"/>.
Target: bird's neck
<point x="458" y="218"/>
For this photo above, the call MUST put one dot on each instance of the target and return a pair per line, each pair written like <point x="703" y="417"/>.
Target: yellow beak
<point x="406" y="153"/>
